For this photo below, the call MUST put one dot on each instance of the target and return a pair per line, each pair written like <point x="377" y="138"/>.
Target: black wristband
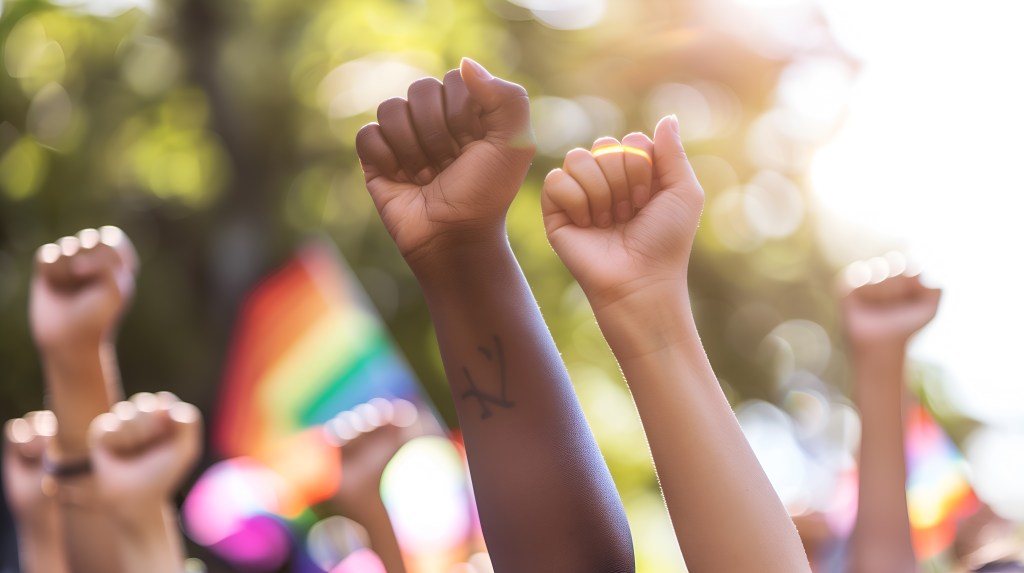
<point x="66" y="468"/>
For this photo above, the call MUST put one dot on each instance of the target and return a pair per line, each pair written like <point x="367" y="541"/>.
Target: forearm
<point x="148" y="540"/>
<point x="725" y="513"/>
<point x="373" y="516"/>
<point x="546" y="498"/>
<point x="40" y="546"/>
<point x="90" y="539"/>
<point x="881" y="537"/>
<point x="82" y="382"/>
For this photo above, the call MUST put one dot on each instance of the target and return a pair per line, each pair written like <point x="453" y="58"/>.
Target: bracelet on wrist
<point x="66" y="467"/>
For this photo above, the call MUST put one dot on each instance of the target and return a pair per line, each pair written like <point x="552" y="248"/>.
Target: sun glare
<point x="926" y="160"/>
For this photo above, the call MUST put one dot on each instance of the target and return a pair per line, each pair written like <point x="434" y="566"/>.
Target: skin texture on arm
<point x="141" y="452"/>
<point x="622" y="217"/>
<point x="442" y="169"/>
<point x="879" y="320"/>
<point x="36" y="518"/>
<point x="80" y="289"/>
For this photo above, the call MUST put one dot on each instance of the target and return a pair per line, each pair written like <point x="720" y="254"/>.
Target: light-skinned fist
<point x="622" y="216"/>
<point x="143" y="449"/>
<point x="887" y="311"/>
<point x="81" y="287"/>
<point x="26" y="440"/>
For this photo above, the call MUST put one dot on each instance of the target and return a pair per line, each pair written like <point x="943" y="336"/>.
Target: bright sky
<point x="931" y="156"/>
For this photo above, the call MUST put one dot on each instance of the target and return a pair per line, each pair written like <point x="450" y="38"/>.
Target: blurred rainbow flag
<point x="938" y="492"/>
<point x="307" y="345"/>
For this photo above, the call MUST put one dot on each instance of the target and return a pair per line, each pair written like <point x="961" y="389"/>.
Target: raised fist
<point x="81" y="286"/>
<point x="623" y="215"/>
<point x="369" y="435"/>
<point x="143" y="449"/>
<point x="25" y="442"/>
<point x="447" y="162"/>
<point x="889" y="311"/>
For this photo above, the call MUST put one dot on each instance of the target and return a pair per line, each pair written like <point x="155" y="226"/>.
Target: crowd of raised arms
<point x="91" y="482"/>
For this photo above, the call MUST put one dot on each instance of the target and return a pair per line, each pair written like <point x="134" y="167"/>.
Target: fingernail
<point x="673" y="123"/>
<point x="68" y="246"/>
<point x="49" y="253"/>
<point x="145" y="401"/>
<point x="89" y="238"/>
<point x="111" y="235"/>
<point x="477" y="69"/>
<point x="623" y="211"/>
<point x="604" y="219"/>
<point x="125" y="411"/>
<point x="108" y="422"/>
<point x="184" y="413"/>
<point x="19" y="431"/>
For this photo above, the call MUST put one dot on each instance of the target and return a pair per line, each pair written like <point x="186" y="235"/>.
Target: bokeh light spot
<point x="358" y="86"/>
<point x="560" y="124"/>
<point x="150" y="65"/>
<point x="424" y="490"/>
<point x="333" y="539"/>
<point x="993" y="455"/>
<point x="773" y="205"/>
<point x="23" y="168"/>
<point x="50" y="115"/>
<point x="565" y="14"/>
<point x="730" y="224"/>
<point x="808" y="342"/>
<point x="32" y="56"/>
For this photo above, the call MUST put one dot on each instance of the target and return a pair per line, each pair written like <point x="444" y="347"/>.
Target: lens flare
<point x="424" y="490"/>
<point x="608" y="150"/>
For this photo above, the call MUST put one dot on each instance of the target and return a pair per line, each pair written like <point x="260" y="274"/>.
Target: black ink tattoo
<point x="485" y="398"/>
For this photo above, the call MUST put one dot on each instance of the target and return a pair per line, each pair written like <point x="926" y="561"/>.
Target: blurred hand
<point x="26" y="439"/>
<point x="81" y="286"/>
<point x="369" y="435"/>
<point x="143" y="449"/>
<point x="887" y="313"/>
<point x="447" y="162"/>
<point x="622" y="217"/>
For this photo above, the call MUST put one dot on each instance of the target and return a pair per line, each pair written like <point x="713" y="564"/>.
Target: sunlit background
<point x="220" y="137"/>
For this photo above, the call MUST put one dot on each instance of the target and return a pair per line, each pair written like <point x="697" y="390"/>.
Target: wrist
<point x="149" y="539"/>
<point x="879" y="375"/>
<point x="455" y="252"/>
<point x="142" y="517"/>
<point x="647" y="320"/>
<point x="69" y="355"/>
<point x="639" y="293"/>
<point x="71" y="344"/>
<point x="876" y="351"/>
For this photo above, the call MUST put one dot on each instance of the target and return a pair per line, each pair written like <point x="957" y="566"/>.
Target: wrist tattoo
<point x="496" y="356"/>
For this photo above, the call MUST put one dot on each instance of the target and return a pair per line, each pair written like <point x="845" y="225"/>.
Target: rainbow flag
<point x="307" y="345"/>
<point x="938" y="491"/>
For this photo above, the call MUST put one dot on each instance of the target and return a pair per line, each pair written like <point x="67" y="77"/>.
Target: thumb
<point x="505" y="105"/>
<point x="671" y="165"/>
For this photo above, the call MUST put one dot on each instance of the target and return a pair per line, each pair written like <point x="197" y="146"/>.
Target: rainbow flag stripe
<point x="938" y="491"/>
<point x="307" y="345"/>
